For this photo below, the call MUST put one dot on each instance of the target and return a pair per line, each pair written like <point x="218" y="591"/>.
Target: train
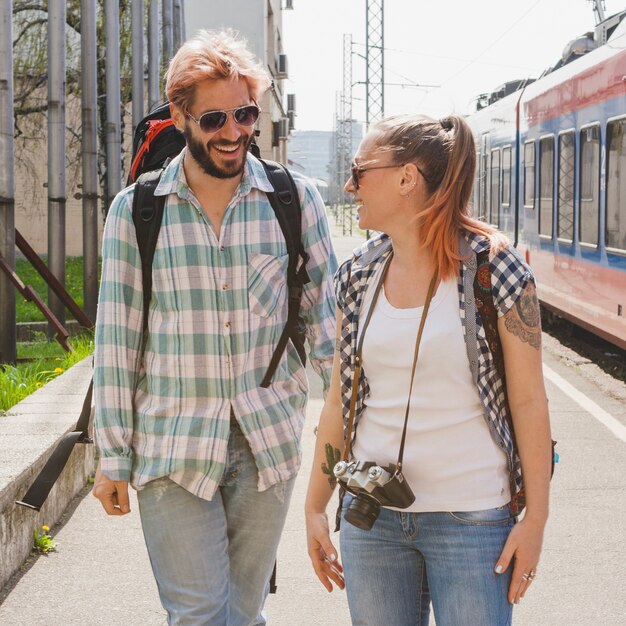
<point x="551" y="173"/>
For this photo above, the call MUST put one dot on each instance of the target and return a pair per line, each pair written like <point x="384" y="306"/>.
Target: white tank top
<point x="451" y="462"/>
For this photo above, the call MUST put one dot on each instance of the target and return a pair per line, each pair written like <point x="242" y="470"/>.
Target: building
<point x="260" y="23"/>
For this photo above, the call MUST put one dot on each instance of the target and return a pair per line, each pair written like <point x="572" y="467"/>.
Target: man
<point x="212" y="455"/>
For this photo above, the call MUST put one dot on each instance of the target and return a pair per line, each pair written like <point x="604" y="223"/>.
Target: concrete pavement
<point x="101" y="574"/>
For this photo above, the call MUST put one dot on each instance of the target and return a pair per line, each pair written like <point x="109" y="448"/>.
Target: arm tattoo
<point x="338" y="344"/>
<point x="333" y="456"/>
<point x="524" y="319"/>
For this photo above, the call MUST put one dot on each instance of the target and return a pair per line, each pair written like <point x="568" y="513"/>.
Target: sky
<point x="443" y="53"/>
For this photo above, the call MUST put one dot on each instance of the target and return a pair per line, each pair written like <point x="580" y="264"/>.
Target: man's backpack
<point x="156" y="141"/>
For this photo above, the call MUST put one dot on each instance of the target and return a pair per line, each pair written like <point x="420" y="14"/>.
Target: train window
<point x="546" y="185"/>
<point x="476" y="188"/>
<point x="567" y="171"/>
<point x="494" y="204"/>
<point x="506" y="176"/>
<point x="589" y="184"/>
<point x="529" y="175"/>
<point x="616" y="186"/>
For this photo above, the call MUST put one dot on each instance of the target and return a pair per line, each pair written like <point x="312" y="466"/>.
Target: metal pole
<point x="347" y="114"/>
<point x="375" y="66"/>
<point x="56" y="153"/>
<point x="137" y="61"/>
<point x="89" y="99"/>
<point x="113" y="99"/>
<point x="8" y="349"/>
<point x="177" y="20"/>
<point x="168" y="33"/>
<point x="154" y="67"/>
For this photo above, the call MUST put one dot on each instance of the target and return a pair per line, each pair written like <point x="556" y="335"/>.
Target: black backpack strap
<point x="147" y="217"/>
<point x="39" y="490"/>
<point x="286" y="204"/>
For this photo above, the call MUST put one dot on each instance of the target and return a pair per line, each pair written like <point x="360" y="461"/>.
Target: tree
<point x="30" y="52"/>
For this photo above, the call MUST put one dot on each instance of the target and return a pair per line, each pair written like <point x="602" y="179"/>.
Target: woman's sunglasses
<point x="358" y="170"/>
<point x="212" y="121"/>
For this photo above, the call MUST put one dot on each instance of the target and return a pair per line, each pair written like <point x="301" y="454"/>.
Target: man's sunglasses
<point x="357" y="171"/>
<point x="212" y="121"/>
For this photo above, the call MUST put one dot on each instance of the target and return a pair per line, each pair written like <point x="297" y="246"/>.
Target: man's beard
<point x="201" y="154"/>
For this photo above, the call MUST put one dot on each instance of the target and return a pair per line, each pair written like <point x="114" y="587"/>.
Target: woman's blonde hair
<point x="213" y="55"/>
<point x="445" y="152"/>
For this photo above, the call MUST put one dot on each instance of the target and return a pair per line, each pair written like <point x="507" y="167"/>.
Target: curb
<point x="29" y="433"/>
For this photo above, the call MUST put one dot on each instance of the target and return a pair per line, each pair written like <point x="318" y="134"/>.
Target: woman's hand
<point x="322" y="552"/>
<point x="524" y="546"/>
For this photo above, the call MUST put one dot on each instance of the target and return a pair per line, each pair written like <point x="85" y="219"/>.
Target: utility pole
<point x="347" y="117"/>
<point x="89" y="105"/>
<point x="8" y="345"/>
<point x="154" y="66"/>
<point x="137" y="13"/>
<point x="56" y="153"/>
<point x="375" y="61"/>
<point x="113" y="102"/>
<point x="168" y="33"/>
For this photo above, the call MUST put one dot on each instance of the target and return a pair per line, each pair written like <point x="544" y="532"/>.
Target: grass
<point x="27" y="311"/>
<point x="19" y="381"/>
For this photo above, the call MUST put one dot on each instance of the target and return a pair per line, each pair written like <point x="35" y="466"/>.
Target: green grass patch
<point x="27" y="311"/>
<point x="19" y="381"/>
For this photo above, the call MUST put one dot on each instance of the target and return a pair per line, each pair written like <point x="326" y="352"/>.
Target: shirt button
<point x="226" y="324"/>
<point x="221" y="248"/>
<point x="234" y="474"/>
<point x="225" y="286"/>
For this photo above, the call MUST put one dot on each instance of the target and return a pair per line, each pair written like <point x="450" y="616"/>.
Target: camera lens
<point x="362" y="512"/>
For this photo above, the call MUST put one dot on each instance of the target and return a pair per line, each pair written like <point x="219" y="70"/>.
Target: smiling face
<point x="220" y="154"/>
<point x="377" y="178"/>
<point x="389" y="193"/>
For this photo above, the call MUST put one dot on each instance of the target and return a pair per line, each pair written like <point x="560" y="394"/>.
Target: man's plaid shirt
<point x="218" y="308"/>
<point x="509" y="277"/>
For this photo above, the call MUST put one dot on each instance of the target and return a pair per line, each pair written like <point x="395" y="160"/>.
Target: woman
<point x="457" y="543"/>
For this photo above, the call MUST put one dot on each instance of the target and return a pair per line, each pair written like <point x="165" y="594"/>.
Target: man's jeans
<point x="407" y="560"/>
<point x="213" y="560"/>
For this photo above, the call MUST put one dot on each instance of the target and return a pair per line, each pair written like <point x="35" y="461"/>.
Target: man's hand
<point x="113" y="494"/>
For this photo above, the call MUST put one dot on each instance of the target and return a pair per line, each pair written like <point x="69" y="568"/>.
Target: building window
<point x="546" y="185"/>
<point x="567" y="171"/>
<point x="494" y="204"/>
<point x="506" y="176"/>
<point x="529" y="175"/>
<point x="616" y="186"/>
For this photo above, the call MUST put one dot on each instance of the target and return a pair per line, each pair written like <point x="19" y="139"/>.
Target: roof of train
<point x="595" y="77"/>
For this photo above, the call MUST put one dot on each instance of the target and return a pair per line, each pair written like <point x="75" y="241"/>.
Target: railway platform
<point x="100" y="574"/>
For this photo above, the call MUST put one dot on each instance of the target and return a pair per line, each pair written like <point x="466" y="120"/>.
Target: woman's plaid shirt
<point x="217" y="310"/>
<point x="509" y="277"/>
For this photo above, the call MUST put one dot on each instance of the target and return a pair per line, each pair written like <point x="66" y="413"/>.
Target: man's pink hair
<point x="213" y="55"/>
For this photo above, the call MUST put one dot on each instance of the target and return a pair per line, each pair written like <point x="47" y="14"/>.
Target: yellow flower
<point x="39" y="384"/>
<point x="58" y="370"/>
<point x="45" y="528"/>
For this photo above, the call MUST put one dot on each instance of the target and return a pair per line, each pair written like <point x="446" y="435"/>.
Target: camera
<point x="373" y="486"/>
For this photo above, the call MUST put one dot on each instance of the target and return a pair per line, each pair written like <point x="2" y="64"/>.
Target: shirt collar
<point x="173" y="178"/>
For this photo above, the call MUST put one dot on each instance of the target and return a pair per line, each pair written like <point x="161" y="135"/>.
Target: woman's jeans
<point x="407" y="560"/>
<point x="213" y="560"/>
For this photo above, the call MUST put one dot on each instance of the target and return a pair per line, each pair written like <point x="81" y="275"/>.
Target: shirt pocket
<point x="267" y="283"/>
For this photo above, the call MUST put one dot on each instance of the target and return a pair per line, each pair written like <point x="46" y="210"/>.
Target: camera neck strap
<point x="358" y="363"/>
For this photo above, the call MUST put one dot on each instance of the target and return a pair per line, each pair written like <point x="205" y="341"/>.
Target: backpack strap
<point x="147" y="216"/>
<point x="489" y="316"/>
<point x="286" y="205"/>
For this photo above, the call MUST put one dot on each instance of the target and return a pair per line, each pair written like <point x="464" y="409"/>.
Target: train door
<point x="483" y="191"/>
